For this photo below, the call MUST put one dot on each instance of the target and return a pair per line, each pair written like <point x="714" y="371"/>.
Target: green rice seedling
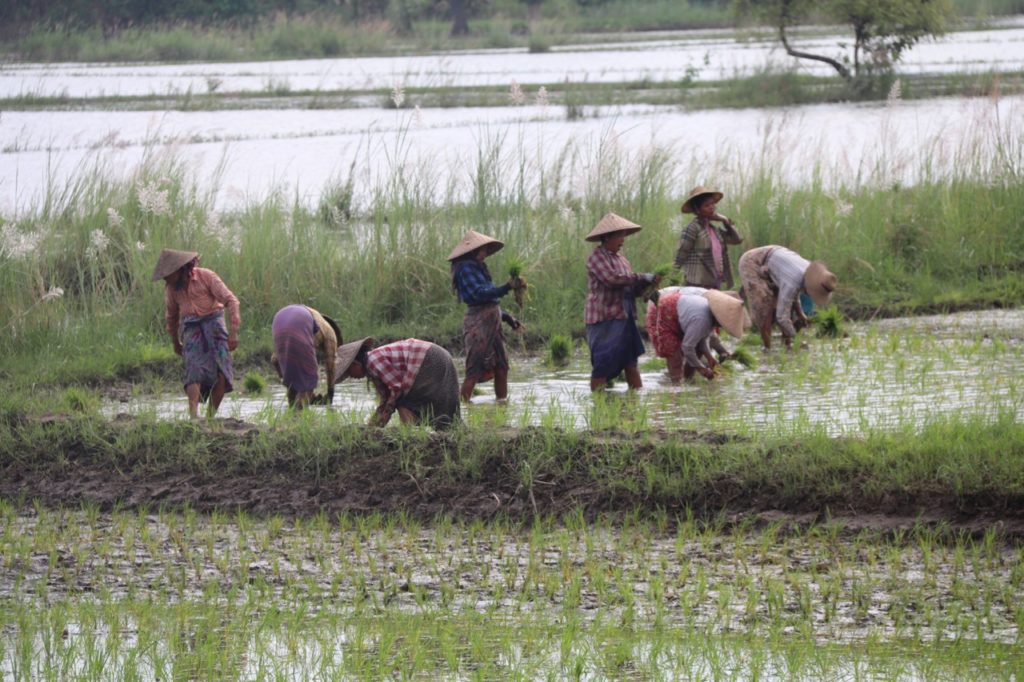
<point x="254" y="383"/>
<point x="829" y="322"/>
<point x="559" y="350"/>
<point x="516" y="267"/>
<point x="744" y="356"/>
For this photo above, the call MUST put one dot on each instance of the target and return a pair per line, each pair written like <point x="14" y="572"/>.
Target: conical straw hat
<point x="729" y="312"/>
<point x="698" y="191"/>
<point x="473" y="241"/>
<point x="609" y="224"/>
<point x="346" y="355"/>
<point x="170" y="260"/>
<point x="819" y="283"/>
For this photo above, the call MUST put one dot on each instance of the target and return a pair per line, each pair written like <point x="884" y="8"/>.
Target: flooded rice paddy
<point x="137" y="593"/>
<point x="700" y="55"/>
<point x="884" y="374"/>
<point x="254" y="152"/>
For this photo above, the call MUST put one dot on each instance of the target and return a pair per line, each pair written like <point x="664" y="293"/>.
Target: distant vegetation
<point x="146" y="30"/>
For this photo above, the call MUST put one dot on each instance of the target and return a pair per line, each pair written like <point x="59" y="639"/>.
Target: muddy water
<point x="884" y="375"/>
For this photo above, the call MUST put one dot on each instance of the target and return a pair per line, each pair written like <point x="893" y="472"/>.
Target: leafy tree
<point x="460" y="11"/>
<point x="882" y="29"/>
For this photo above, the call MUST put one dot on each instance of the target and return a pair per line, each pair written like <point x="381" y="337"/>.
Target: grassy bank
<point x="77" y="304"/>
<point x="769" y="88"/>
<point x="948" y="467"/>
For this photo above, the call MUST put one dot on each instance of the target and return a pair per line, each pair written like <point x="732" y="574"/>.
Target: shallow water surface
<point x="885" y="374"/>
<point x="252" y="153"/>
<point x="696" y="55"/>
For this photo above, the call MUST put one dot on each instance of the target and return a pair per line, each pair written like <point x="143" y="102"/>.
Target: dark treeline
<point x="112" y="16"/>
<point x="20" y="16"/>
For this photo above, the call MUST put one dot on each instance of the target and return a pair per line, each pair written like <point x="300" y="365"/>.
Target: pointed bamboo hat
<point x="346" y="356"/>
<point x="729" y="312"/>
<point x="819" y="283"/>
<point x="473" y="241"/>
<point x="609" y="224"/>
<point x="170" y="260"/>
<point x="696" y="192"/>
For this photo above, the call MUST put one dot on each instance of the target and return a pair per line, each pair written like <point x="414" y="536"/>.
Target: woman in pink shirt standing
<point x="195" y="299"/>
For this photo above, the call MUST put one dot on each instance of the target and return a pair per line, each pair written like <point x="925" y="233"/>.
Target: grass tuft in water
<point x="254" y="383"/>
<point x="830" y="322"/>
<point x="80" y="400"/>
<point x="559" y="350"/>
<point x="744" y="356"/>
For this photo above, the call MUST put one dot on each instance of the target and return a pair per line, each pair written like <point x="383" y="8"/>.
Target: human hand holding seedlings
<point x="516" y="282"/>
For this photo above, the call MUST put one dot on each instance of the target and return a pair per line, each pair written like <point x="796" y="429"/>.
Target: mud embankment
<point x="514" y="473"/>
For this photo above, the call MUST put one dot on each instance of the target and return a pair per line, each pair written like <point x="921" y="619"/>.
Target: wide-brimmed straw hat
<point x="473" y="241"/>
<point x="699" y="191"/>
<point x="170" y="261"/>
<point x="819" y="283"/>
<point x="729" y="312"/>
<point x="347" y="355"/>
<point x="609" y="224"/>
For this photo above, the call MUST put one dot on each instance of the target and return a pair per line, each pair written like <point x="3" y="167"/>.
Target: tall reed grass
<point x="903" y="235"/>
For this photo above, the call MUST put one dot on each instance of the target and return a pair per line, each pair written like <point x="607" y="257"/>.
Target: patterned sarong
<point x="204" y="343"/>
<point x="663" y="324"/>
<point x="614" y="345"/>
<point x="293" y="330"/>
<point x="758" y="288"/>
<point x="434" y="396"/>
<point x="484" y="341"/>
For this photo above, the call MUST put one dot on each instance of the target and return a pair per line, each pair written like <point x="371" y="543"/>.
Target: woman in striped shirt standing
<point x="610" y="312"/>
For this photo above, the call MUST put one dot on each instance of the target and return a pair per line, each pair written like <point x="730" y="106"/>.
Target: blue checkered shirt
<point x="474" y="286"/>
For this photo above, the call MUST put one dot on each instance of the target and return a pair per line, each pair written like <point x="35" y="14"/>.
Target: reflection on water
<point x="884" y="374"/>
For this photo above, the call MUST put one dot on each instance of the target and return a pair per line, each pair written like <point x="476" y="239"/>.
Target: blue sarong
<point x="614" y="345"/>
<point x="204" y="343"/>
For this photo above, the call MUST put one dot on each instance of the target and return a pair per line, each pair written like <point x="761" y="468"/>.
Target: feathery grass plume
<point x="254" y="383"/>
<point x="559" y="350"/>
<point x="829" y="322"/>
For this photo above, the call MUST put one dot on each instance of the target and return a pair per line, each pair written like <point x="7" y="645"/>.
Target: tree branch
<point x="843" y="71"/>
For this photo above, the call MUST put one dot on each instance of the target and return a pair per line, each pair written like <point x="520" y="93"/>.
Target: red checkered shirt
<point x="397" y="364"/>
<point x="610" y="278"/>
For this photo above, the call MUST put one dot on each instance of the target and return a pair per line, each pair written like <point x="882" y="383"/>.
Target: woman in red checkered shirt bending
<point x="415" y="378"/>
<point x="610" y="313"/>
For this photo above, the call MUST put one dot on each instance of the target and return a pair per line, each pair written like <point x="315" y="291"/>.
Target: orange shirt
<point x="204" y="294"/>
